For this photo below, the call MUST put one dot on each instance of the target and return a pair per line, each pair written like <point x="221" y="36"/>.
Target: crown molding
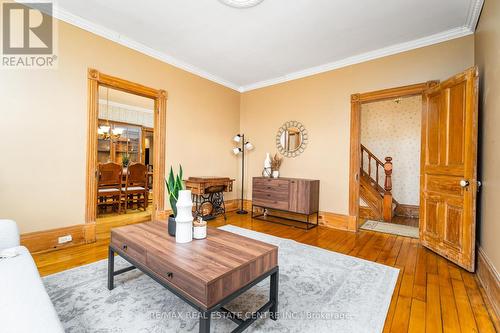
<point x="116" y="37"/>
<point x="363" y="57"/>
<point x="473" y="14"/>
<point x="469" y="27"/>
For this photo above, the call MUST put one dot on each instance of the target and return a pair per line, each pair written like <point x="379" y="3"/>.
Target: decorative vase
<point x="200" y="229"/>
<point x="171" y="225"/>
<point x="276" y="174"/>
<point x="267" y="166"/>
<point x="184" y="218"/>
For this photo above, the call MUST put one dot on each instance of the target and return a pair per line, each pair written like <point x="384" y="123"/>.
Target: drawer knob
<point x="170" y="275"/>
<point x="124" y="247"/>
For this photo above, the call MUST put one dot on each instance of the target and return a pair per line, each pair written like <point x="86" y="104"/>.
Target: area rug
<point x="319" y="291"/>
<point x="391" y="228"/>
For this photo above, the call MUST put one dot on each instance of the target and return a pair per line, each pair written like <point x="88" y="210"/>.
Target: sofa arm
<point x="9" y="234"/>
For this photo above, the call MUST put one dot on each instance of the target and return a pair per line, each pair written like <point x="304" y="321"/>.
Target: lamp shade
<point x="104" y="128"/>
<point x="248" y="146"/>
<point x="118" y="131"/>
<point x="237" y="138"/>
<point x="236" y="151"/>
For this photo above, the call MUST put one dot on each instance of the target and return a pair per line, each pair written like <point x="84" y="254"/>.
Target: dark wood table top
<point x="207" y="270"/>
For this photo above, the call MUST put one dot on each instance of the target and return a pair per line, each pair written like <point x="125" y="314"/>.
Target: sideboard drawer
<point x="270" y="195"/>
<point x="269" y="203"/>
<point x="280" y="185"/>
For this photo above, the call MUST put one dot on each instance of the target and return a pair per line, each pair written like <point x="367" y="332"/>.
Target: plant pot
<point x="171" y="225"/>
<point x="200" y="230"/>
<point x="276" y="174"/>
<point x="184" y="218"/>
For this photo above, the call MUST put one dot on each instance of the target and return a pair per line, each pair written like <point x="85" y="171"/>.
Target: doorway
<point x="390" y="164"/>
<point x="371" y="190"/>
<point x="448" y="164"/>
<point x="125" y="150"/>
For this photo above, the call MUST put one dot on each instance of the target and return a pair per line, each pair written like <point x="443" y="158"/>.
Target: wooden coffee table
<point x="207" y="274"/>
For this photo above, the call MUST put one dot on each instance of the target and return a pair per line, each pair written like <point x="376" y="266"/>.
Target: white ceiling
<point x="276" y="41"/>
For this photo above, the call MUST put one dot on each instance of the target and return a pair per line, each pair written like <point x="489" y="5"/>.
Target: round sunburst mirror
<point x="291" y="139"/>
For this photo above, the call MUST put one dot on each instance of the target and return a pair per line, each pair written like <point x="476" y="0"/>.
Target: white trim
<point x="473" y="15"/>
<point x="468" y="28"/>
<point x="386" y="51"/>
<point x="124" y="106"/>
<point x="114" y="36"/>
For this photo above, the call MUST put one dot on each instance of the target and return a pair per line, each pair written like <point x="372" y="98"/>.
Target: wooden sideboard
<point x="293" y="195"/>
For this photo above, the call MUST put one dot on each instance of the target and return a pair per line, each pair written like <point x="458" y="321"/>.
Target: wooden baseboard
<point x="47" y="240"/>
<point x="337" y="221"/>
<point x="489" y="278"/>
<point x="411" y="211"/>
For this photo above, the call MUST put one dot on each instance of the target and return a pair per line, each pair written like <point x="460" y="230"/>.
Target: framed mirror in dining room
<point x="125" y="149"/>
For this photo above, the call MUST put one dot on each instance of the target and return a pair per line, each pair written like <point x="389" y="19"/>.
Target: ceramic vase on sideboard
<point x="184" y="218"/>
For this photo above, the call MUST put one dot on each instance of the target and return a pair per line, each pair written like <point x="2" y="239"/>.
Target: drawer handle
<point x="268" y="195"/>
<point x="170" y="275"/>
<point x="124" y="247"/>
<point x="269" y="187"/>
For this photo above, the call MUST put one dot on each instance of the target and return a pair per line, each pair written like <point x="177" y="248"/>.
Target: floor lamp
<point x="245" y="145"/>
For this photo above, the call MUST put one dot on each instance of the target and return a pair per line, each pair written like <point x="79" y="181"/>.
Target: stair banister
<point x="387" y="206"/>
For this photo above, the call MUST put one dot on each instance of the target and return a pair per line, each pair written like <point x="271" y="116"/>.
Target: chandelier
<point x="104" y="131"/>
<point x="241" y="3"/>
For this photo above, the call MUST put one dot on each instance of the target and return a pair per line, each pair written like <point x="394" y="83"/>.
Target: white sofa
<point x="25" y="306"/>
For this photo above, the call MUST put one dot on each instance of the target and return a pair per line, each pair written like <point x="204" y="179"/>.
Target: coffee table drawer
<point x="132" y="250"/>
<point x="188" y="283"/>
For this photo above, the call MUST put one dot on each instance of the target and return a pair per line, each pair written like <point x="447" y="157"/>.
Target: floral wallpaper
<point x="392" y="128"/>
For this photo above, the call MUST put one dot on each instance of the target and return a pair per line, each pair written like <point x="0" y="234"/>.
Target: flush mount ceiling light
<point x="241" y="3"/>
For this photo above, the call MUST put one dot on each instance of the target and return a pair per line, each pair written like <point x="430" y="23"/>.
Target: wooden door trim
<point x="355" y="138"/>
<point x="96" y="79"/>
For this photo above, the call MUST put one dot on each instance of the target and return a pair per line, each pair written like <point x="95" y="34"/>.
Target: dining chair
<point x="109" y="185"/>
<point x="136" y="186"/>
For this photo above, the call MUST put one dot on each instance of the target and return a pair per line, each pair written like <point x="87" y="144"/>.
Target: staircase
<point x="377" y="194"/>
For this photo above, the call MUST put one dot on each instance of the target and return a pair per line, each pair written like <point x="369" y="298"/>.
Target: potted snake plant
<point x="174" y="184"/>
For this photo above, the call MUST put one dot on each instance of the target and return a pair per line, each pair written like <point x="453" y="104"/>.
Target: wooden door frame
<point x="96" y="79"/>
<point x="355" y="139"/>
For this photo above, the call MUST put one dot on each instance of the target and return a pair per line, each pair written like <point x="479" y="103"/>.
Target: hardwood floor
<point x="432" y="294"/>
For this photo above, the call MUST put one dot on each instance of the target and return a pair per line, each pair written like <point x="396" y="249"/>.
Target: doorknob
<point x="464" y="183"/>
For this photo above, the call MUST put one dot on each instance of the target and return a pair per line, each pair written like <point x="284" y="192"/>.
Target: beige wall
<point x="487" y="56"/>
<point x="322" y="103"/>
<point x="43" y="123"/>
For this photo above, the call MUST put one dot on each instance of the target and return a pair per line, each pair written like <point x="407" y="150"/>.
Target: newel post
<point x="387" y="205"/>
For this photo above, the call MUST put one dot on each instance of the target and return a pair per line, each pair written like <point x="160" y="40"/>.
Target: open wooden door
<point x="448" y="180"/>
